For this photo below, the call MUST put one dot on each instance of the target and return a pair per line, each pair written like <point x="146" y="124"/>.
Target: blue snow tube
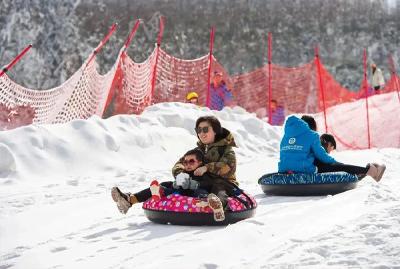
<point x="307" y="184"/>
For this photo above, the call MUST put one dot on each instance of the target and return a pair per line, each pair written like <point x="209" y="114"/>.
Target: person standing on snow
<point x="219" y="92"/>
<point x="278" y="113"/>
<point x="378" y="82"/>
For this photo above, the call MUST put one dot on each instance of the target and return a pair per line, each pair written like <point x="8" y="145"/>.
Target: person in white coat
<point x="378" y="81"/>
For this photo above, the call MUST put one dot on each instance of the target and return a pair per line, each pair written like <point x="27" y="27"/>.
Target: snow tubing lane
<point x="307" y="184"/>
<point x="182" y="210"/>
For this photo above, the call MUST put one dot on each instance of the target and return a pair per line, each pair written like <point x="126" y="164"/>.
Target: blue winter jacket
<point x="300" y="146"/>
<point x="278" y="116"/>
<point x="219" y="96"/>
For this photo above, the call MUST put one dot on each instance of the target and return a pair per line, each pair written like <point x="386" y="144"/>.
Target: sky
<point x="56" y="210"/>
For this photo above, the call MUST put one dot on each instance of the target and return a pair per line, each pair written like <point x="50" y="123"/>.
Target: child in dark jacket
<point x="328" y="142"/>
<point x="185" y="183"/>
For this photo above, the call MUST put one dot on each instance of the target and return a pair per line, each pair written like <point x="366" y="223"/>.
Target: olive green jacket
<point x="218" y="166"/>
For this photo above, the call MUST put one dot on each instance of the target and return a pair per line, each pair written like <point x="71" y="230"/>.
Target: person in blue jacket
<point x="301" y="152"/>
<point x="278" y="113"/>
<point x="220" y="94"/>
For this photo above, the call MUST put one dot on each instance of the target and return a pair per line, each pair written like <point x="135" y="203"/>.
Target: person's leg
<point x="215" y="204"/>
<point x="218" y="200"/>
<point x="376" y="171"/>
<point x="221" y="192"/>
<point x="160" y="190"/>
<point x="206" y="184"/>
<point x="145" y="194"/>
<point x="123" y="200"/>
<point x="126" y="200"/>
<point x="373" y="170"/>
<point x="340" y="167"/>
<point x="201" y="193"/>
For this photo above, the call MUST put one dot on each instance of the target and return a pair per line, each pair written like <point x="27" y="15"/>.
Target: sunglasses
<point x="190" y="161"/>
<point x="202" y="129"/>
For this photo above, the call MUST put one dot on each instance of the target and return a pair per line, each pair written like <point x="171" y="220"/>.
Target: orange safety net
<point x="358" y="125"/>
<point x="130" y="92"/>
<point x="177" y="77"/>
<point x="293" y="88"/>
<point x="174" y="78"/>
<point x="129" y="87"/>
<point x="80" y="97"/>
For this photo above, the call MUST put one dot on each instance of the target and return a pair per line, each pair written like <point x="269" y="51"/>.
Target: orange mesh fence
<point x="334" y="93"/>
<point x="250" y="91"/>
<point x="87" y="97"/>
<point x="331" y="94"/>
<point x="348" y="134"/>
<point x="130" y="92"/>
<point x="176" y="77"/>
<point x="293" y="88"/>
<point x="80" y="97"/>
<point x="12" y="117"/>
<point x="352" y="127"/>
<point x="383" y="120"/>
<point x="129" y="87"/>
<point x="392" y="85"/>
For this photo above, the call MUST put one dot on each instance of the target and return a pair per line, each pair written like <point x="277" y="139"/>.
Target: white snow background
<point x="56" y="210"/>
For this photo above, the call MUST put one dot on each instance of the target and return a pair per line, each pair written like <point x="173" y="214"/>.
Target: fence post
<point x="159" y="39"/>
<point x="15" y="60"/>
<point x="118" y="76"/>
<point x="212" y="34"/>
<point x="102" y="43"/>
<point x="269" y="77"/>
<point x="131" y="35"/>
<point x="321" y="85"/>
<point x="394" y="73"/>
<point x="366" y="97"/>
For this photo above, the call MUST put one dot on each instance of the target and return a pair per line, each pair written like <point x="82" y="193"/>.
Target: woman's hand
<point x="200" y="171"/>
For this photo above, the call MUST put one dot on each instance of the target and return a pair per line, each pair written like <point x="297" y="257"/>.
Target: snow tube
<point x="183" y="210"/>
<point x="307" y="184"/>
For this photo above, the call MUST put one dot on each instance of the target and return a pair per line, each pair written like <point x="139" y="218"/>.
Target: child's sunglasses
<point x="190" y="161"/>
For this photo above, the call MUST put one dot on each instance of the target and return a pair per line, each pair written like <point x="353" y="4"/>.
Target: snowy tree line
<point x="64" y="33"/>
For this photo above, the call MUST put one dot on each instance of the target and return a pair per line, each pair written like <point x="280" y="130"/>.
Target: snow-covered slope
<point x="56" y="210"/>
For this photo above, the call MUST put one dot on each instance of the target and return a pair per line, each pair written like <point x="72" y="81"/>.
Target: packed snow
<point x="56" y="209"/>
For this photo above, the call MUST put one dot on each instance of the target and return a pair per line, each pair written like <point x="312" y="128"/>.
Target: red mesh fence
<point x="250" y="91"/>
<point x="360" y="124"/>
<point x="293" y="88"/>
<point x="130" y="91"/>
<point x="129" y="87"/>
<point x="80" y="97"/>
<point x="176" y="77"/>
<point x="334" y="93"/>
